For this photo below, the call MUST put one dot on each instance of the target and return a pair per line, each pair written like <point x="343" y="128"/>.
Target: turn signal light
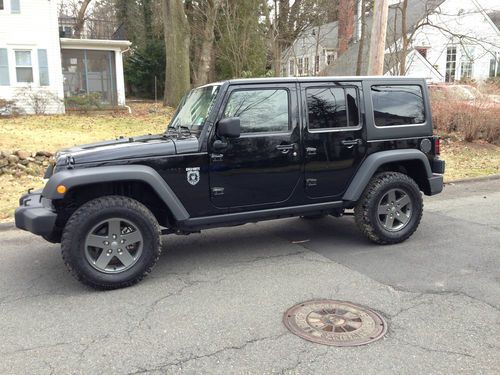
<point x="437" y="146"/>
<point x="61" y="189"/>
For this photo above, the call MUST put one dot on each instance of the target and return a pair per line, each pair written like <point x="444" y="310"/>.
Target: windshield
<point x="194" y="108"/>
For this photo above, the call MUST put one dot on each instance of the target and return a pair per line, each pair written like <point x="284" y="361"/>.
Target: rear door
<point x="334" y="143"/>
<point x="262" y="166"/>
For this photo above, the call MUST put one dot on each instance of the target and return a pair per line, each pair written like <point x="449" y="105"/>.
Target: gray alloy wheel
<point x="114" y="245"/>
<point x="394" y="210"/>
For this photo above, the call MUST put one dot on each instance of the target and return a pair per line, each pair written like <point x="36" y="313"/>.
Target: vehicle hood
<point x="128" y="148"/>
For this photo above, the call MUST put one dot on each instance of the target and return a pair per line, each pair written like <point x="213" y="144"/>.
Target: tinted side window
<point x="332" y="107"/>
<point x="398" y="105"/>
<point x="259" y="110"/>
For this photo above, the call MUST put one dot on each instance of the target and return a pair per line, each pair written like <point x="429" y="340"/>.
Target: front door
<point x="333" y="137"/>
<point x="263" y="166"/>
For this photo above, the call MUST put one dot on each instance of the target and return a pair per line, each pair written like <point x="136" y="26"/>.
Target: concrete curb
<point x="474" y="179"/>
<point x="10" y="224"/>
<point x="6" y="226"/>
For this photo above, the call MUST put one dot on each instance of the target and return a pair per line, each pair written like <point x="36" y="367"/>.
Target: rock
<point x="24" y="161"/>
<point x="44" y="153"/>
<point x="3" y="162"/>
<point x="40" y="158"/>
<point x="23" y="154"/>
<point x="5" y="171"/>
<point x="13" y="159"/>
<point x="18" y="174"/>
<point x="20" y="166"/>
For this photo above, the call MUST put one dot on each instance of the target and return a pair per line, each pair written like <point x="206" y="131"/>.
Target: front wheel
<point x="390" y="208"/>
<point x="111" y="242"/>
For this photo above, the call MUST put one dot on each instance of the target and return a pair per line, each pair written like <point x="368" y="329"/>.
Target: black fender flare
<point x="376" y="160"/>
<point x="84" y="176"/>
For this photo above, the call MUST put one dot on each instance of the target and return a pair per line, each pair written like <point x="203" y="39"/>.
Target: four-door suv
<point x="242" y="151"/>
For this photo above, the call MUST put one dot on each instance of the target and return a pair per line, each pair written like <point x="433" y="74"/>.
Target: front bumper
<point x="35" y="216"/>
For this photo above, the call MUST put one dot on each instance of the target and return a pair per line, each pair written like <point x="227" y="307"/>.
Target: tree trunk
<point x="405" y="39"/>
<point x="204" y="59"/>
<point x="362" y="38"/>
<point x="346" y="25"/>
<point x="377" y="38"/>
<point x="176" y="29"/>
<point x="80" y="18"/>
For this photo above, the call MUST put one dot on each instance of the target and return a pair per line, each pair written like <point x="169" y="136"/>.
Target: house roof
<point x="100" y="44"/>
<point x="417" y="10"/>
<point x="495" y="18"/>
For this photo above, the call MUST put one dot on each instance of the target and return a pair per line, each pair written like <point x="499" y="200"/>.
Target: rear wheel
<point x="111" y="242"/>
<point x="390" y="208"/>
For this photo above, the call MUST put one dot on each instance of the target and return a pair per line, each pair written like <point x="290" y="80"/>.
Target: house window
<point x="306" y="65"/>
<point x="283" y="70"/>
<point x="332" y="108"/>
<point x="24" y="69"/>
<point x="451" y="64"/>
<point x="330" y="58"/>
<point x="494" y="65"/>
<point x="291" y="67"/>
<point x="466" y="62"/>
<point x="15" y="6"/>
<point x="43" y="67"/>
<point x="316" y="64"/>
<point x="4" y="67"/>
<point x="422" y="51"/>
<point x="300" y="66"/>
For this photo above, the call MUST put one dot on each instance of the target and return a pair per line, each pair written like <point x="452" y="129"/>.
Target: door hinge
<point x="217" y="191"/>
<point x="311" y="182"/>
<point x="216" y="157"/>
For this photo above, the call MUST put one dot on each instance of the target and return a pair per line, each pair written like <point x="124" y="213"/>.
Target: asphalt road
<point x="214" y="303"/>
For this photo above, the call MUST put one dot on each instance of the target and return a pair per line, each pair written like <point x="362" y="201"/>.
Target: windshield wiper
<point x="181" y="128"/>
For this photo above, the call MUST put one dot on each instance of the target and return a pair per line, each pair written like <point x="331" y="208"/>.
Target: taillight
<point x="437" y="146"/>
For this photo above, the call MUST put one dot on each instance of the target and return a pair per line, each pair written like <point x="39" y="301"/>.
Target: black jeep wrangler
<point x="242" y="151"/>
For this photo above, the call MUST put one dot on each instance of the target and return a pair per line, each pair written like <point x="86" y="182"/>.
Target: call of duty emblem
<point x="193" y="175"/>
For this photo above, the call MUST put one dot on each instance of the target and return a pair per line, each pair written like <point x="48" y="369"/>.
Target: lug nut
<point x="114" y="236"/>
<point x="106" y="242"/>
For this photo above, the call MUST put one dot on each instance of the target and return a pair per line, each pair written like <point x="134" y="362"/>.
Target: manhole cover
<point x="335" y="323"/>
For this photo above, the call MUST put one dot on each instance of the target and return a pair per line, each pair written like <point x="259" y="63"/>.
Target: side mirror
<point x="229" y="127"/>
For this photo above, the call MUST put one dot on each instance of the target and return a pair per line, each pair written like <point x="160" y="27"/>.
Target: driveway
<point x="215" y="301"/>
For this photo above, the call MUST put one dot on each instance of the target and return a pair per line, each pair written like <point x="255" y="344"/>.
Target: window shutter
<point x="4" y="68"/>
<point x="43" y="67"/>
<point x="15" y="6"/>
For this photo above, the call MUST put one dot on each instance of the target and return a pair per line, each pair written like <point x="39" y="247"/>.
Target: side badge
<point x="193" y="175"/>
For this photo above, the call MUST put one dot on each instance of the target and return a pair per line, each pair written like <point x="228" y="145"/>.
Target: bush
<point x="85" y="102"/>
<point x="38" y="99"/>
<point x="8" y="108"/>
<point x="473" y="120"/>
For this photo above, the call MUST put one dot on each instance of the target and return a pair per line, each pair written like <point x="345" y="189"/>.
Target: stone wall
<point x="20" y="163"/>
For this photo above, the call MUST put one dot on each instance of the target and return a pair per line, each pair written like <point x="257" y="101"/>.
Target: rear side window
<point x="398" y="105"/>
<point x="332" y="107"/>
<point x="260" y="111"/>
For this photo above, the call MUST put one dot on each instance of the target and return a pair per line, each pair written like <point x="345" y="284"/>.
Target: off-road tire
<point x="91" y="213"/>
<point x="366" y="209"/>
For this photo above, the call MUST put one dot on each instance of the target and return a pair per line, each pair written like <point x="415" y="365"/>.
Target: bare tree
<point x="80" y="17"/>
<point x="362" y="37"/>
<point x="202" y="15"/>
<point x="176" y="29"/>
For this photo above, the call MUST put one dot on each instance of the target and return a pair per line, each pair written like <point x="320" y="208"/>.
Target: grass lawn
<point x="50" y="133"/>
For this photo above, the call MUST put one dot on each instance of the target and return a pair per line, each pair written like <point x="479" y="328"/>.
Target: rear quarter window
<point x="395" y="105"/>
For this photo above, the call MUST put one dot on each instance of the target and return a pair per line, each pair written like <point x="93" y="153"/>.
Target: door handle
<point x="350" y="142"/>
<point x="285" y="149"/>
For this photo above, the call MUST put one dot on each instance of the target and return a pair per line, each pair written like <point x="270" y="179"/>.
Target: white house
<point x="34" y="59"/>
<point x="460" y="40"/>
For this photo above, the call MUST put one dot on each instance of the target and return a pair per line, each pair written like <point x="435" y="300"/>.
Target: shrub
<point x="9" y="108"/>
<point x="84" y="103"/>
<point x="38" y="99"/>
